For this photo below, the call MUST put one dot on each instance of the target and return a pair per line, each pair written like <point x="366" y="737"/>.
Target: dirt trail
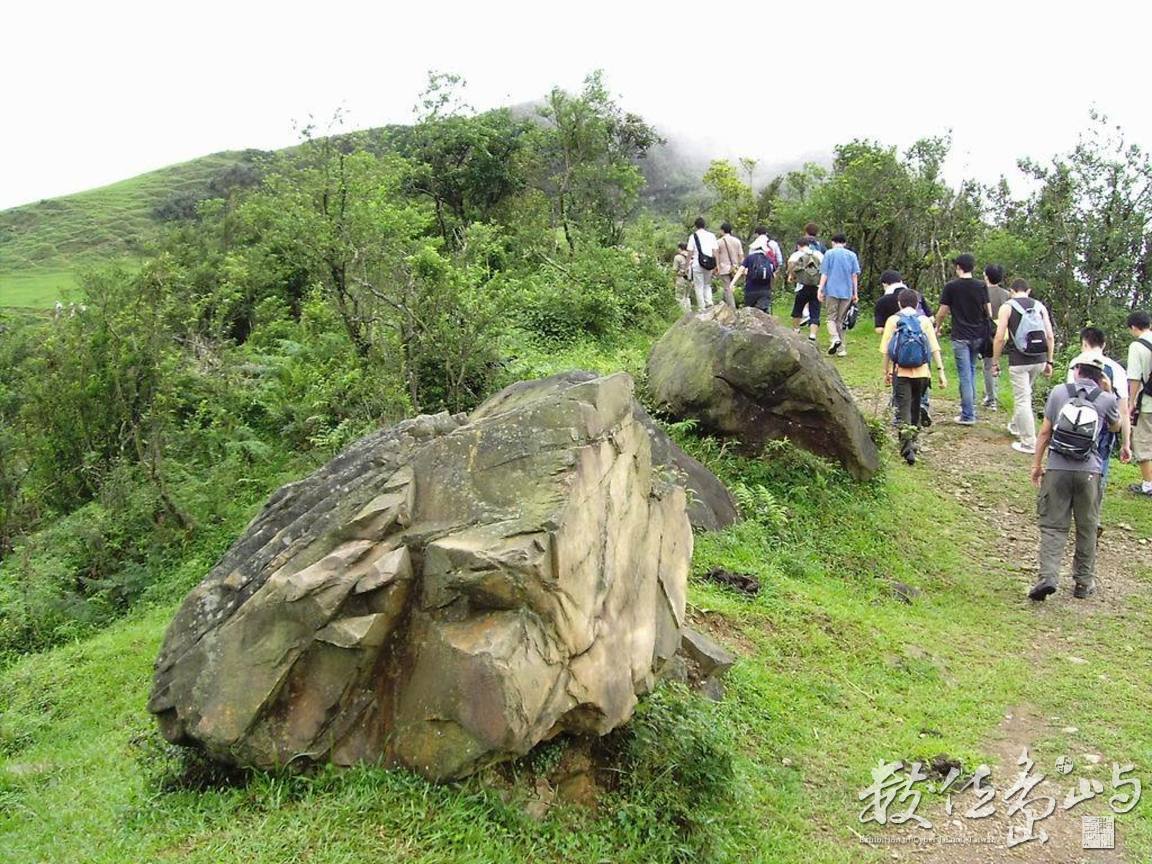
<point x="977" y="466"/>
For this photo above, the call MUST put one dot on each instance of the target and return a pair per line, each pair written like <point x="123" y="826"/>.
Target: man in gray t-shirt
<point x="1069" y="488"/>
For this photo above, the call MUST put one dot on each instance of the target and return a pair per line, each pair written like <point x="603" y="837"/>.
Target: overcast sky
<point x="96" y="92"/>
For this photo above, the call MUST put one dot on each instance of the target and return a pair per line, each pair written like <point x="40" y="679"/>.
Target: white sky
<point x="94" y="92"/>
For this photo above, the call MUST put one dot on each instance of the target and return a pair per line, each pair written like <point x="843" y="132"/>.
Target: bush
<point x="601" y="292"/>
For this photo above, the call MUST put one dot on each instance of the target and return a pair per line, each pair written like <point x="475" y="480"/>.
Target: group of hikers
<point x="1096" y="412"/>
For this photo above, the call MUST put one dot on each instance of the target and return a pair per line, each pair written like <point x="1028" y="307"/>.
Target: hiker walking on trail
<point x="997" y="297"/>
<point x="1074" y="417"/>
<point x="1025" y="327"/>
<point x="812" y="232"/>
<point x="804" y="272"/>
<point x="888" y="305"/>
<point x="908" y="344"/>
<point x="729" y="254"/>
<point x="1140" y="397"/>
<point x="1092" y="341"/>
<point x="759" y="267"/>
<point x="966" y="300"/>
<point x="702" y="249"/>
<point x="682" y="267"/>
<point x="839" y="288"/>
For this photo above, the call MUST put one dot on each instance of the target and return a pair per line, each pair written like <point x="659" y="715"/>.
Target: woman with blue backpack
<point x="908" y="344"/>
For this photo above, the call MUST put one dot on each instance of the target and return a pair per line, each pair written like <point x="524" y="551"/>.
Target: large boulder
<point x="711" y="506"/>
<point x="444" y="594"/>
<point x="744" y="376"/>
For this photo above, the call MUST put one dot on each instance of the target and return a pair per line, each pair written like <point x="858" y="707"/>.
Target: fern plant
<point x="759" y="504"/>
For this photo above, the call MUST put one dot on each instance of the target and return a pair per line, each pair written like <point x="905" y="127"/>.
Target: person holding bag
<point x="702" y="246"/>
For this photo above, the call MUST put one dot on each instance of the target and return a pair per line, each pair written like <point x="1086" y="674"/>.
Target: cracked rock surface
<point x="444" y="594"/>
<point x="742" y="375"/>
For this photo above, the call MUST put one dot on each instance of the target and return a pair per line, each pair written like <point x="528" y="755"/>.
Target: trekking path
<point x="1079" y="650"/>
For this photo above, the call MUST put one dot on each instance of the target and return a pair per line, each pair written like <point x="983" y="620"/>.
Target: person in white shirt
<point x="1092" y="342"/>
<point x="804" y="268"/>
<point x="702" y="242"/>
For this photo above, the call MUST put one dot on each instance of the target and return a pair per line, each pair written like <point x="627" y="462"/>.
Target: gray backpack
<point x="1077" y="426"/>
<point x="1030" y="336"/>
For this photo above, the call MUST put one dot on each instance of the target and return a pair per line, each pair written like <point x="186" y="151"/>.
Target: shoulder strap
<point x="1145" y="343"/>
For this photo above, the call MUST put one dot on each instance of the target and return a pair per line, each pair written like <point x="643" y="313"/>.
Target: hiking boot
<point x="925" y="419"/>
<point x="1138" y="489"/>
<point x="1083" y="592"/>
<point x="834" y="347"/>
<point x="1023" y="448"/>
<point x="1041" y="590"/>
<point x="910" y="458"/>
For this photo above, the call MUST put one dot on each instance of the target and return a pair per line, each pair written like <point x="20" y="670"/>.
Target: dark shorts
<point x="806" y="296"/>
<point x="759" y="298"/>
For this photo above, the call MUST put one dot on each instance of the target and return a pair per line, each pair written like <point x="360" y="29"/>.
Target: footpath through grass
<point x="835" y="673"/>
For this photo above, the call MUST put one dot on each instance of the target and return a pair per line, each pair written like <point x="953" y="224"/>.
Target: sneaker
<point x="1041" y="590"/>
<point x="1083" y="592"/>
<point x="811" y="338"/>
<point x="1023" y="448"/>
<point x="910" y="458"/>
<point x="804" y="322"/>
<point x="1138" y="488"/>
<point x="989" y="403"/>
<point x="842" y="352"/>
<point x="925" y="419"/>
<point x="834" y="347"/>
<point x="964" y="422"/>
<point x="1012" y="430"/>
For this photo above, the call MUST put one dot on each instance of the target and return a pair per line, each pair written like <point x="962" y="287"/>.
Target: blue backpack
<point x="909" y="346"/>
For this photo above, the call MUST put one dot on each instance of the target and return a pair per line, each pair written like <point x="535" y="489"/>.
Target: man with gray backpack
<point x="1024" y="327"/>
<point x="1074" y="418"/>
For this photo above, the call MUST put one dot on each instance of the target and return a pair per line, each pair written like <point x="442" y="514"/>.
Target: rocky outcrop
<point x="444" y="594"/>
<point x="744" y="376"/>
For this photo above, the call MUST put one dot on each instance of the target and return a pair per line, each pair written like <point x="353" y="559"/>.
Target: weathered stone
<point x="444" y="594"/>
<point x="711" y="506"/>
<point x="709" y="656"/>
<point x="742" y="375"/>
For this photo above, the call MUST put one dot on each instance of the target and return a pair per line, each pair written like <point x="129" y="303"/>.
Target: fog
<point x="95" y="93"/>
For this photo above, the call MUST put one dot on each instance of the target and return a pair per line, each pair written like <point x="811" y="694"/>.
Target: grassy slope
<point x="42" y="245"/>
<point x="834" y="675"/>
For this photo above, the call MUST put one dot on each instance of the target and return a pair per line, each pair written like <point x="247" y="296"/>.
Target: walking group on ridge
<point x="1096" y="412"/>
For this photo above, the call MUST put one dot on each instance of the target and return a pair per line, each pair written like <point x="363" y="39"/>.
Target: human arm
<point x="1050" y="338"/>
<point x="1000" y="338"/>
<point x="855" y="287"/>
<point x="934" y="345"/>
<point x="888" y="331"/>
<point x="740" y="271"/>
<point x="1043" y="438"/>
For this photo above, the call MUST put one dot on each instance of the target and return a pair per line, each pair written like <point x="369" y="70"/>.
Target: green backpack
<point x="807" y="269"/>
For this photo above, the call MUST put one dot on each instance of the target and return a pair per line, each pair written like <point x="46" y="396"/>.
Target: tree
<point x="465" y="164"/>
<point x="1088" y="221"/>
<point x="732" y="199"/>
<point x="589" y="158"/>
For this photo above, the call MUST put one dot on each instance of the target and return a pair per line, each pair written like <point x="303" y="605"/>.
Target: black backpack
<point x="707" y="262"/>
<point x="761" y="269"/>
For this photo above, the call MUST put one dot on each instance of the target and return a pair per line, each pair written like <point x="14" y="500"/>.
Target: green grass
<point x="834" y="675"/>
<point x="37" y="289"/>
<point x="44" y="244"/>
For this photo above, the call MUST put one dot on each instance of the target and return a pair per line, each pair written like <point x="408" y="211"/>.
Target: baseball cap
<point x="1089" y="358"/>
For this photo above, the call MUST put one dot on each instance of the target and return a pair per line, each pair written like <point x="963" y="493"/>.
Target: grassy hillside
<point x="835" y="673"/>
<point x="43" y="245"/>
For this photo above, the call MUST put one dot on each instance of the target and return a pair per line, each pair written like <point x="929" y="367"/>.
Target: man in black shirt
<point x="966" y="300"/>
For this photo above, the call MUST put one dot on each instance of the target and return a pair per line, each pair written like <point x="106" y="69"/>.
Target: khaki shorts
<point x="1142" y="438"/>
